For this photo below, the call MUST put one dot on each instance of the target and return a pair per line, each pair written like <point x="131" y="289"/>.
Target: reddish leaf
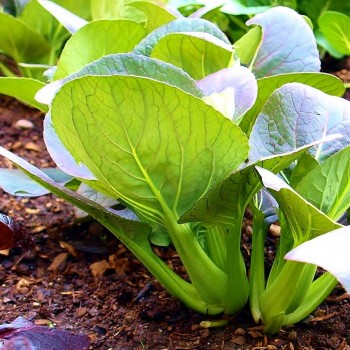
<point x="24" y="335"/>
<point x="12" y="235"/>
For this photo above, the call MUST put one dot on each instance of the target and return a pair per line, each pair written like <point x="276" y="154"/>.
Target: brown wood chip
<point x="99" y="268"/>
<point x="69" y="247"/>
<point x="58" y="262"/>
<point x="81" y="311"/>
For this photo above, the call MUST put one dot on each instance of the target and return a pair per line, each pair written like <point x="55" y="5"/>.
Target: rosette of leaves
<point x="184" y="136"/>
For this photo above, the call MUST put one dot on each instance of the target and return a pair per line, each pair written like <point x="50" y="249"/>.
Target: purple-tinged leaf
<point x="330" y="251"/>
<point x="240" y="80"/>
<point x="268" y="206"/>
<point x="327" y="83"/>
<point x="60" y="154"/>
<point x="32" y="337"/>
<point x="16" y="183"/>
<point x="68" y="19"/>
<point x="95" y="196"/>
<point x="17" y="343"/>
<point x="296" y="115"/>
<point x="288" y="44"/>
<point x="12" y="235"/>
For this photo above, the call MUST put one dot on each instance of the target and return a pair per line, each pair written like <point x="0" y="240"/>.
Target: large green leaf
<point x="119" y="64"/>
<point x="180" y="25"/>
<point x="128" y="64"/>
<point x="304" y="220"/>
<point x="304" y="165"/>
<point x="20" y="42"/>
<point x="150" y="141"/>
<point x="327" y="186"/>
<point x="86" y="45"/>
<point x="288" y="43"/>
<point x="266" y="86"/>
<point x="24" y="89"/>
<point x="142" y="66"/>
<point x="227" y="200"/>
<point x="296" y="115"/>
<point x="325" y="44"/>
<point x="156" y="15"/>
<point x="198" y="54"/>
<point x="336" y="28"/>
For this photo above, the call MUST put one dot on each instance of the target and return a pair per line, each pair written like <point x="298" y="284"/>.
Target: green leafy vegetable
<point x="330" y="251"/>
<point x="295" y="115"/>
<point x="303" y="222"/>
<point x="20" y="42"/>
<point x="198" y="54"/>
<point x="182" y="25"/>
<point x="86" y="45"/>
<point x="148" y="117"/>
<point x="24" y="89"/>
<point x="286" y="53"/>
<point x="336" y="28"/>
<point x="266" y="86"/>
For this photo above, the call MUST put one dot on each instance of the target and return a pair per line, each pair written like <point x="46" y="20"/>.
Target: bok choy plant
<point x="185" y="136"/>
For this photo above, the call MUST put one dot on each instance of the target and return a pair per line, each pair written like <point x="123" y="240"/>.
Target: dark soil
<point x="80" y="278"/>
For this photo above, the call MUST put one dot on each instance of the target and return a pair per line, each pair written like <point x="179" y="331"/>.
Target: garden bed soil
<point x="81" y="279"/>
